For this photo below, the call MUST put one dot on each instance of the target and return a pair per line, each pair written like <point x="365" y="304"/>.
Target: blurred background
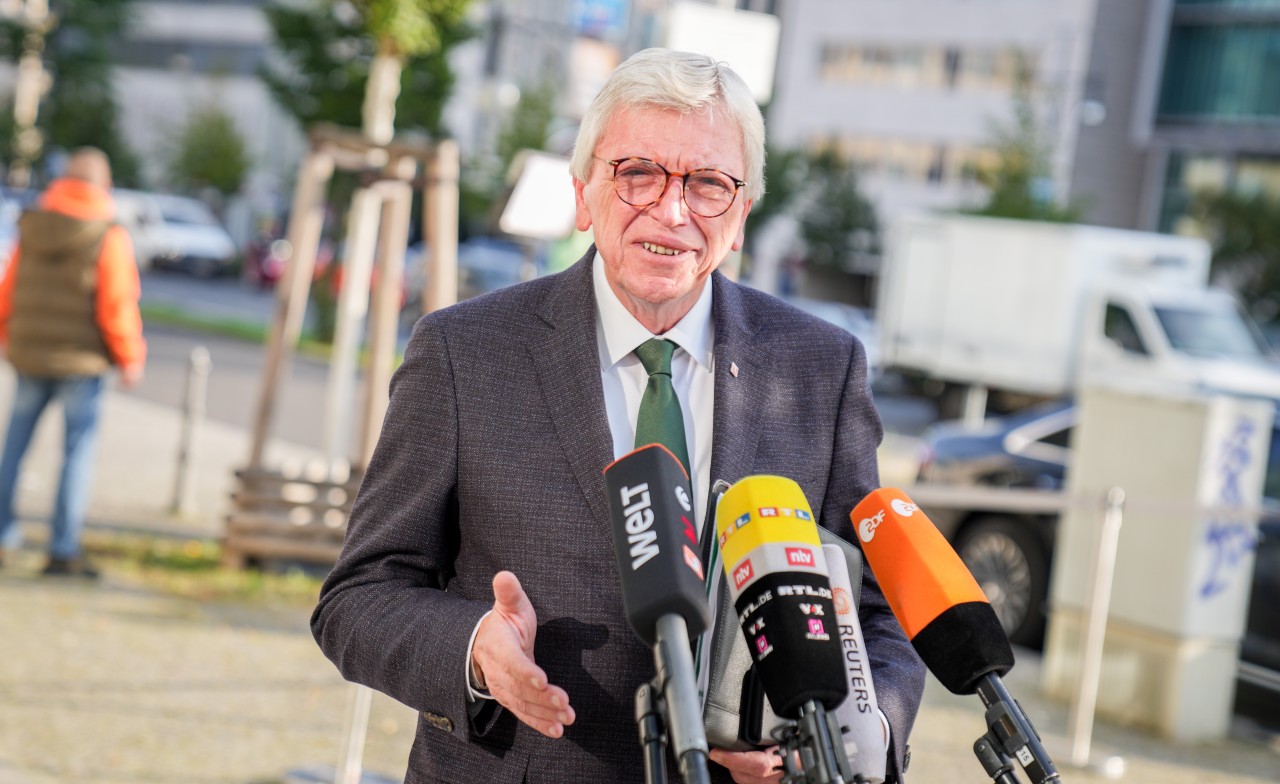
<point x="1043" y="220"/>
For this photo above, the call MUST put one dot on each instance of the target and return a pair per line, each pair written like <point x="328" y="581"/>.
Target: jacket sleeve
<point x="896" y="668"/>
<point x="119" y="289"/>
<point x="384" y="616"/>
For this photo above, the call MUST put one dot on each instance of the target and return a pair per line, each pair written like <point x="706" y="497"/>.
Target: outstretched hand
<point x="502" y="658"/>
<point x="750" y="767"/>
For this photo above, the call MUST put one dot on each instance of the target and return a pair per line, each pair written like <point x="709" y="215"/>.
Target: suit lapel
<point x="740" y="396"/>
<point x="567" y="360"/>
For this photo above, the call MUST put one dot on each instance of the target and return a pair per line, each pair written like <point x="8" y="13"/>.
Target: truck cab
<point x="1198" y="339"/>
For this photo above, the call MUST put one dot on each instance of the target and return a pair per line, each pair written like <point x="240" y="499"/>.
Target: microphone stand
<point x="812" y="749"/>
<point x="1010" y="737"/>
<point x="658" y="705"/>
<point x="652" y="739"/>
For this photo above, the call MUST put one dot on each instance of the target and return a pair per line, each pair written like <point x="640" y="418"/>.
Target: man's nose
<point x="670" y="208"/>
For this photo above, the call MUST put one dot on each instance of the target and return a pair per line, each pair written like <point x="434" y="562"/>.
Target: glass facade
<point x="1190" y="173"/>
<point x="1222" y="72"/>
<point x="1232" y="3"/>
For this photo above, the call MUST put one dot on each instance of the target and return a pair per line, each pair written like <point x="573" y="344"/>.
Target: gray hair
<point x="685" y="82"/>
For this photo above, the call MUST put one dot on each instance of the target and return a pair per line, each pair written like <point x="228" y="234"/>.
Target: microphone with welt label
<point x="779" y="584"/>
<point x="951" y="624"/>
<point x="663" y="595"/>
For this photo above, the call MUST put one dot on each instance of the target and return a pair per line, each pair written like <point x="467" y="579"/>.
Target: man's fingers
<point x="503" y="652"/>
<point x="750" y="767"/>
<point x="547" y="710"/>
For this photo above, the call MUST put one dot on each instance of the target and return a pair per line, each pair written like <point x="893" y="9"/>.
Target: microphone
<point x="779" y="584"/>
<point x="866" y="739"/>
<point x="662" y="586"/>
<point x="950" y="623"/>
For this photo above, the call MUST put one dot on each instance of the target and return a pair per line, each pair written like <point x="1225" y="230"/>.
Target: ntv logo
<point x="799" y="556"/>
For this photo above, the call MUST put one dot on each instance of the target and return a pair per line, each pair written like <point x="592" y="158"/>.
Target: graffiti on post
<point x="1230" y="538"/>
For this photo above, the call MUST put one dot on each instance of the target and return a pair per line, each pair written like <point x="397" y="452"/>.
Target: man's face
<point x="657" y="258"/>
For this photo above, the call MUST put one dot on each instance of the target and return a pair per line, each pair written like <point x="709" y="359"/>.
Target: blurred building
<point x="182" y="55"/>
<point x="176" y="56"/>
<point x="570" y="46"/>
<point x="1142" y="101"/>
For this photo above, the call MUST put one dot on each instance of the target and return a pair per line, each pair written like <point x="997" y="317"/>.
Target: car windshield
<point x="1210" y="333"/>
<point x="190" y="213"/>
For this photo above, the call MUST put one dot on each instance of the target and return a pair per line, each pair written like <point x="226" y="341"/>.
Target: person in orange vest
<point x="68" y="315"/>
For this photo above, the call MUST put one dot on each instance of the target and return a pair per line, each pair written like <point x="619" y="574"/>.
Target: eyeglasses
<point x="707" y="192"/>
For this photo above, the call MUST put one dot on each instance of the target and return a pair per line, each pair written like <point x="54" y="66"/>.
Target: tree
<point x="210" y="153"/>
<point x="80" y="107"/>
<point x="820" y="192"/>
<point x="1019" y="184"/>
<point x="329" y="48"/>
<point x="839" y="225"/>
<point x="788" y="176"/>
<point x="1245" y="231"/>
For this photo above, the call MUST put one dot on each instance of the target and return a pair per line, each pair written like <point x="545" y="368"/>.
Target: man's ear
<point x="742" y="227"/>
<point x="582" y="216"/>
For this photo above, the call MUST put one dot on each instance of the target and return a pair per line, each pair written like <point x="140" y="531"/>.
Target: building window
<point x="946" y="67"/>
<point x="1236" y="3"/>
<point x="1222" y="72"/>
<point x="1189" y="174"/>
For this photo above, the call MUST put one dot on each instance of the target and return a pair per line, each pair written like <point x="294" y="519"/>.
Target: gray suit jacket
<point x="491" y="457"/>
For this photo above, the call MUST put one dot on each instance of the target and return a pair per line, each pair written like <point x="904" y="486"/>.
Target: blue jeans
<point x="81" y="397"/>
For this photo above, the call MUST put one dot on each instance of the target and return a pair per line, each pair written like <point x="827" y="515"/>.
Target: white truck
<point x="1035" y="308"/>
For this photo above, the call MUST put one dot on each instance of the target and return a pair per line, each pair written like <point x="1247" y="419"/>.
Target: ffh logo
<point x="743" y="574"/>
<point x="800" y="556"/>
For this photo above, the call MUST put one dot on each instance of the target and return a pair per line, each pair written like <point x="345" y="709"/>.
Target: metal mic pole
<point x="674" y="662"/>
<point x="652" y="739"/>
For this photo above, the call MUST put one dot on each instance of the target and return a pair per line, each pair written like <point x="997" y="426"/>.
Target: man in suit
<point x="478" y="582"/>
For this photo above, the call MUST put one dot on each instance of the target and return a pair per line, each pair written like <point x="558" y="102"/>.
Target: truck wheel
<point x="1010" y="566"/>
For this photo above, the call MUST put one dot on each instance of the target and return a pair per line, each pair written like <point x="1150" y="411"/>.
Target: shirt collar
<point x="622" y="333"/>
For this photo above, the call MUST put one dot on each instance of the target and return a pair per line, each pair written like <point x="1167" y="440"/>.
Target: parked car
<point x="175" y="232"/>
<point x="1011" y="554"/>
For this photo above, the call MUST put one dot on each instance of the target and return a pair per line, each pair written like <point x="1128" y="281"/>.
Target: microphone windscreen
<point x="778" y="579"/>
<point x="934" y="596"/>
<point x="655" y="541"/>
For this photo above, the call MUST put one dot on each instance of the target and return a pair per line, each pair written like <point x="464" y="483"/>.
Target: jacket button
<point x="438" y="721"/>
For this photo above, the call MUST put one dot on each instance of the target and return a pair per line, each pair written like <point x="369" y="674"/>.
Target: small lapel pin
<point x="733" y="369"/>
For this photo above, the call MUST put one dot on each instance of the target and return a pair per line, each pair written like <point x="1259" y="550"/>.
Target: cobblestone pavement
<point x="114" y="683"/>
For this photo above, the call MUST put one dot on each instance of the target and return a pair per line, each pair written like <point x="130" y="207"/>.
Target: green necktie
<point x="660" y="420"/>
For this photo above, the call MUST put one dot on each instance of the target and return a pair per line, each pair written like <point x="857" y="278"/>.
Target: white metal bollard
<point x="1085" y="699"/>
<point x="193" y="411"/>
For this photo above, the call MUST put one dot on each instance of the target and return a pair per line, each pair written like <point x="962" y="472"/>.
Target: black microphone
<point x="950" y="622"/>
<point x="656" y="544"/>
<point x="778" y="579"/>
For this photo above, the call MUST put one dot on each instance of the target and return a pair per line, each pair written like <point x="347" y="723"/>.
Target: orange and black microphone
<point x="950" y="622"/>
<point x="946" y="615"/>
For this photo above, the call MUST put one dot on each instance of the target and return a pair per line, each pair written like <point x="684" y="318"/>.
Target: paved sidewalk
<point x="116" y="684"/>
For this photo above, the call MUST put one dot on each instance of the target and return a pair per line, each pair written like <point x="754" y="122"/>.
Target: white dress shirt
<point x="618" y="335"/>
